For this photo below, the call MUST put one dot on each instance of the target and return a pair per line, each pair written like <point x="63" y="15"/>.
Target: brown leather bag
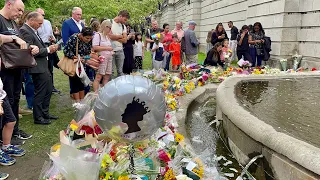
<point x="13" y="57"/>
<point x="68" y="66"/>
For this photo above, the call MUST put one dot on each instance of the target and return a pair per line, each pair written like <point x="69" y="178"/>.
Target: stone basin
<point x="276" y="116"/>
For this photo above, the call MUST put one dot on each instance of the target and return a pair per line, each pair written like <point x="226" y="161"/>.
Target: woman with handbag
<point x="256" y="41"/>
<point x="102" y="44"/>
<point x="78" y="45"/>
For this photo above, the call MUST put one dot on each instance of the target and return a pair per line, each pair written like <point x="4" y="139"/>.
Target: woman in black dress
<point x="128" y="64"/>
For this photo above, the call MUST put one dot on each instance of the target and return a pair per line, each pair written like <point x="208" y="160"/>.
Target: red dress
<point x="176" y="48"/>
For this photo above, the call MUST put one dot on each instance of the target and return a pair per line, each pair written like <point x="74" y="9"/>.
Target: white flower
<point x="183" y="177"/>
<point x="283" y="60"/>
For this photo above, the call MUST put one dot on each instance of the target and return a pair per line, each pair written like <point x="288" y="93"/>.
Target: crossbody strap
<point x="77" y="47"/>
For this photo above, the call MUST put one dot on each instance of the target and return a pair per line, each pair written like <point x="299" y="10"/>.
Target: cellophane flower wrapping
<point x="50" y="172"/>
<point x="75" y="164"/>
<point x="284" y="63"/>
<point x="85" y="106"/>
<point x="296" y="61"/>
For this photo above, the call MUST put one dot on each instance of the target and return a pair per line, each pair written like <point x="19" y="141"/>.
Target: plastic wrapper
<point x="50" y="172"/>
<point x="85" y="106"/>
<point x="75" y="164"/>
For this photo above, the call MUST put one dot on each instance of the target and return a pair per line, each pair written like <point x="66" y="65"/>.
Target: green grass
<point x="61" y="105"/>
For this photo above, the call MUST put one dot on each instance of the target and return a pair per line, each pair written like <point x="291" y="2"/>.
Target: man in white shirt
<point x="119" y="36"/>
<point x="46" y="34"/>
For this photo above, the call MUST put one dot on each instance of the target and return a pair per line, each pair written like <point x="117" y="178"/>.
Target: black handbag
<point x="260" y="51"/>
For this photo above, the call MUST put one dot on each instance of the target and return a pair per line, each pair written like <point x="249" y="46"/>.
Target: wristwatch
<point x="14" y="37"/>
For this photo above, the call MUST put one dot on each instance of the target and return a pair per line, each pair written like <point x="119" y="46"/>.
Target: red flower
<point x="97" y="129"/>
<point x="163" y="156"/>
<point x="313" y="69"/>
<point x="87" y="129"/>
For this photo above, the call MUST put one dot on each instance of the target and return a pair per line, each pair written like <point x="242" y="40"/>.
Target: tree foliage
<point x="59" y="10"/>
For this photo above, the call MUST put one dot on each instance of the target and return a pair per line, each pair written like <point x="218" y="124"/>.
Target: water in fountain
<point x="289" y="105"/>
<point x="204" y="137"/>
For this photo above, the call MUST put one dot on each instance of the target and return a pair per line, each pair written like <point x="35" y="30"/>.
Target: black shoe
<point x="15" y="142"/>
<point x="54" y="90"/>
<point x="53" y="117"/>
<point x="42" y="121"/>
<point x="22" y="135"/>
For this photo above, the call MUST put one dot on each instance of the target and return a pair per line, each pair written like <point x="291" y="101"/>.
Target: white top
<point x="78" y="24"/>
<point x="138" y="48"/>
<point x="45" y="31"/>
<point x="3" y="94"/>
<point x="154" y="53"/>
<point x="117" y="29"/>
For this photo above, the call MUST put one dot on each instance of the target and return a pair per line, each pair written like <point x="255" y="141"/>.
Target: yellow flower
<point x="179" y="137"/>
<point x="257" y="71"/>
<point x="169" y="175"/>
<point x="73" y="127"/>
<point x="192" y="86"/>
<point x="200" y="83"/>
<point x="187" y="88"/>
<point x="229" y="50"/>
<point x="106" y="160"/>
<point x="176" y="80"/>
<point x="123" y="178"/>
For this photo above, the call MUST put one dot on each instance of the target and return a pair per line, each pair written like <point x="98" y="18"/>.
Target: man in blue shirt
<point x="191" y="44"/>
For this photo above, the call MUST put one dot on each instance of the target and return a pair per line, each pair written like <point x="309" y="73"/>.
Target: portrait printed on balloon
<point x="130" y="108"/>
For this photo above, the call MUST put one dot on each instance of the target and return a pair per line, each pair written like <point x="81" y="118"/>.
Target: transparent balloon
<point x="85" y="106"/>
<point x="130" y="108"/>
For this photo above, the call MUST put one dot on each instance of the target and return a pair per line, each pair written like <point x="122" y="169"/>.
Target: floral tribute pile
<point x="85" y="153"/>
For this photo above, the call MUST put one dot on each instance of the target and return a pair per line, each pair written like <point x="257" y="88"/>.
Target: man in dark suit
<point x="40" y="74"/>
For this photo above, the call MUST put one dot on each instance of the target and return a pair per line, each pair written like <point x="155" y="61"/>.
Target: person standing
<point x="40" y="74"/>
<point x="154" y="30"/>
<point x="72" y="25"/>
<point x="191" y="44"/>
<point x="166" y="42"/>
<point x="243" y="44"/>
<point x="208" y="40"/>
<point x="101" y="43"/>
<point x="256" y="39"/>
<point x="219" y="35"/>
<point x="12" y="78"/>
<point x="233" y="39"/>
<point x="128" y="63"/>
<point x="178" y="30"/>
<point x="46" y="34"/>
<point x="138" y="51"/>
<point x="118" y="37"/>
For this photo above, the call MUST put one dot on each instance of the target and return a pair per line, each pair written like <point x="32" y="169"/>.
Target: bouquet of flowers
<point x="156" y="38"/>
<point x="296" y="61"/>
<point x="283" y="63"/>
<point x="244" y="64"/>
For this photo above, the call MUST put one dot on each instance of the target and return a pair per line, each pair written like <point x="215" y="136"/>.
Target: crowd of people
<point x="123" y="51"/>
<point x="249" y="44"/>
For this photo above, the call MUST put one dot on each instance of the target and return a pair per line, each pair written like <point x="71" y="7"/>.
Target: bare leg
<point x="96" y="82"/>
<point x="106" y="79"/>
<point x="7" y="132"/>
<point x="81" y="95"/>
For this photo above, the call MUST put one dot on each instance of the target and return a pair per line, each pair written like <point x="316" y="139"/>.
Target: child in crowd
<point x="7" y="122"/>
<point x="158" y="54"/>
<point x="138" y="51"/>
<point x="175" y="49"/>
<point x="225" y="51"/>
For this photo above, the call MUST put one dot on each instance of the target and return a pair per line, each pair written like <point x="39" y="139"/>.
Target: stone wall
<point x="293" y="25"/>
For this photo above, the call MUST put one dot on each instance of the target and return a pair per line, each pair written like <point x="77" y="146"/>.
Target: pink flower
<point x="205" y="77"/>
<point x="163" y="156"/>
<point x="101" y="58"/>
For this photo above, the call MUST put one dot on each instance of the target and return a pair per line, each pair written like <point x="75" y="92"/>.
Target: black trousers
<point x="42" y="94"/>
<point x="245" y="54"/>
<point x="12" y="84"/>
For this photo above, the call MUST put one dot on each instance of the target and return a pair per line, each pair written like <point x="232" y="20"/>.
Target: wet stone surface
<point x="291" y="106"/>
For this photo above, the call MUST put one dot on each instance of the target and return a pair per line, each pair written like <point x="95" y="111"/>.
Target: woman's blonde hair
<point x="104" y="25"/>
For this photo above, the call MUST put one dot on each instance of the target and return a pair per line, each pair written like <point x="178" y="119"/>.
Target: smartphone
<point x="131" y="31"/>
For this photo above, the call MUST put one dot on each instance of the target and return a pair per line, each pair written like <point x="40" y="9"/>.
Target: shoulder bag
<point x="68" y="66"/>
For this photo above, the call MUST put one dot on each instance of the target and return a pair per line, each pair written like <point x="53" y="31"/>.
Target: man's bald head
<point x="13" y="9"/>
<point x="40" y="11"/>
